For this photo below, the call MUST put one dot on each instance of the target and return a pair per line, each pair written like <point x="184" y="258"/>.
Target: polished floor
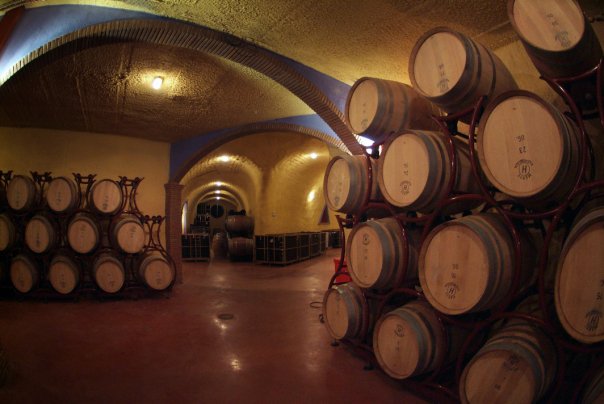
<point x="231" y="333"/>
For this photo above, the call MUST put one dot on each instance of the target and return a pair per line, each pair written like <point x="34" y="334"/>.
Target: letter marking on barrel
<point x="524" y="169"/>
<point x="443" y="82"/>
<point x="593" y="319"/>
<point x="560" y="34"/>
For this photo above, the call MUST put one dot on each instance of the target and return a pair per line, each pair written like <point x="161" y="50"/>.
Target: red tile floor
<point x="177" y="349"/>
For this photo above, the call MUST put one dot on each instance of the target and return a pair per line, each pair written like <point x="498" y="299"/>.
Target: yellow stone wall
<point x="63" y="153"/>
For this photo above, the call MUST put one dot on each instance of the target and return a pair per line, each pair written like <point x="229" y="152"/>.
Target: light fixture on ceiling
<point x="217" y="198"/>
<point x="217" y="192"/>
<point x="311" y="196"/>
<point x="157" y="82"/>
<point x="218" y="183"/>
<point x="313" y="155"/>
<point x="224" y="158"/>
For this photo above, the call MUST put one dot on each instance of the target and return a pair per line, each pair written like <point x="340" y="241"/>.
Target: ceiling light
<point x="218" y="183"/>
<point x="363" y="141"/>
<point x="224" y="158"/>
<point x="157" y="82"/>
<point x="311" y="196"/>
<point x="313" y="155"/>
<point x="216" y="192"/>
<point x="217" y="198"/>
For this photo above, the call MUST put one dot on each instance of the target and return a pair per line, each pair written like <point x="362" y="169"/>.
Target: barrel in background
<point x="8" y="232"/>
<point x="106" y="197"/>
<point x="453" y="71"/>
<point x="108" y="272"/>
<point x="41" y="233"/>
<point x="377" y="108"/>
<point x="63" y="274"/>
<point x="239" y="225"/>
<point x="83" y="233"/>
<point x="343" y="312"/>
<point x="241" y="248"/>
<point x="24" y="273"/>
<point x="556" y="35"/>
<point x="127" y="233"/>
<point x="22" y="193"/>
<point x="62" y="195"/>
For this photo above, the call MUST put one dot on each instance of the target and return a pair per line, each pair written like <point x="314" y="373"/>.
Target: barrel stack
<point x="60" y="237"/>
<point x="240" y="236"/>
<point x="450" y="225"/>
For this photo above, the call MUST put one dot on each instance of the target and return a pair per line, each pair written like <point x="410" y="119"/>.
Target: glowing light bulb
<point x="313" y="155"/>
<point x="157" y="82"/>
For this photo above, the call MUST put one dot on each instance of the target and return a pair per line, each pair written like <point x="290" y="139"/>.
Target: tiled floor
<point x="179" y="350"/>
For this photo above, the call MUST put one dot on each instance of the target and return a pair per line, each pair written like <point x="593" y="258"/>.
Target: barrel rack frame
<point x="437" y="385"/>
<point x="133" y="287"/>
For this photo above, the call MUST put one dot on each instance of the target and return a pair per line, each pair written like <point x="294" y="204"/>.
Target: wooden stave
<point x="9" y="240"/>
<point x="51" y="230"/>
<point x="31" y="199"/>
<point x="429" y="334"/>
<point x="143" y="264"/>
<point x="119" y="233"/>
<point x="439" y="175"/>
<point x="69" y="263"/>
<point x="111" y="258"/>
<point x="584" y="222"/>
<point x="467" y="90"/>
<point x="584" y="55"/>
<point x="92" y="196"/>
<point x="91" y="221"/>
<point x="399" y="107"/>
<point x="560" y="186"/>
<point x="33" y="271"/>
<point x="387" y="230"/>
<point x="74" y="199"/>
<point x="354" y="302"/>
<point x="358" y="168"/>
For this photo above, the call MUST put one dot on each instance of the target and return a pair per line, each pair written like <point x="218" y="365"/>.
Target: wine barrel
<point x="24" y="273"/>
<point x="377" y="108"/>
<point x="8" y="232"/>
<point x="453" y="71"/>
<point x="411" y="341"/>
<point x="414" y="171"/>
<point x="108" y="272"/>
<point x="128" y="233"/>
<point x="528" y="149"/>
<point x="516" y="365"/>
<point x="62" y="195"/>
<point x="346" y="183"/>
<point x="578" y="287"/>
<point x="106" y="197"/>
<point x="556" y="35"/>
<point x="63" y="274"/>
<point x="41" y="234"/>
<point x="219" y="245"/>
<point x="593" y="392"/>
<point x="239" y="225"/>
<point x="155" y="271"/>
<point x="83" y="233"/>
<point x="241" y="248"/>
<point x="467" y="264"/>
<point x="22" y="193"/>
<point x="343" y="308"/>
<point x="374" y="253"/>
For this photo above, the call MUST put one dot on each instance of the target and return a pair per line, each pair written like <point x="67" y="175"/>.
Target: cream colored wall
<point x="109" y="156"/>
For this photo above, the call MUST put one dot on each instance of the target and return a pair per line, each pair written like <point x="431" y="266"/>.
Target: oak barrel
<point x="62" y="195"/>
<point x="377" y="108"/>
<point x="22" y="193"/>
<point x="453" y="71"/>
<point x="41" y="234"/>
<point x="528" y="149"/>
<point x="24" y="273"/>
<point x="8" y="232"/>
<point x="128" y="233"/>
<point x="410" y="341"/>
<point x="343" y="312"/>
<point x="241" y="248"/>
<point x="345" y="184"/>
<point x="374" y="253"/>
<point x="219" y="245"/>
<point x="106" y="197"/>
<point x="239" y="225"/>
<point x="414" y="171"/>
<point x="108" y="272"/>
<point x="516" y="365"/>
<point x="579" y="287"/>
<point x="83" y="233"/>
<point x="63" y="274"/>
<point x="467" y="264"/>
<point x="155" y="271"/>
<point x="556" y="35"/>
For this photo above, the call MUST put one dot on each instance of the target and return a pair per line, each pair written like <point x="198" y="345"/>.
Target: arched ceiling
<point x="102" y="88"/>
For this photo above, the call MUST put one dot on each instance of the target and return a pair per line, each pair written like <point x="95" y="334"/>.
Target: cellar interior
<point x="239" y="203"/>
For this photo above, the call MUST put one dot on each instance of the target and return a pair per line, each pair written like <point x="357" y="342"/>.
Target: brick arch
<point x="194" y="37"/>
<point x="250" y="129"/>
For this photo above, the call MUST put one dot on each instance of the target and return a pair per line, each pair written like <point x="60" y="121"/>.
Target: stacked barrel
<point x="55" y="237"/>
<point x="451" y="226"/>
<point x="240" y="241"/>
